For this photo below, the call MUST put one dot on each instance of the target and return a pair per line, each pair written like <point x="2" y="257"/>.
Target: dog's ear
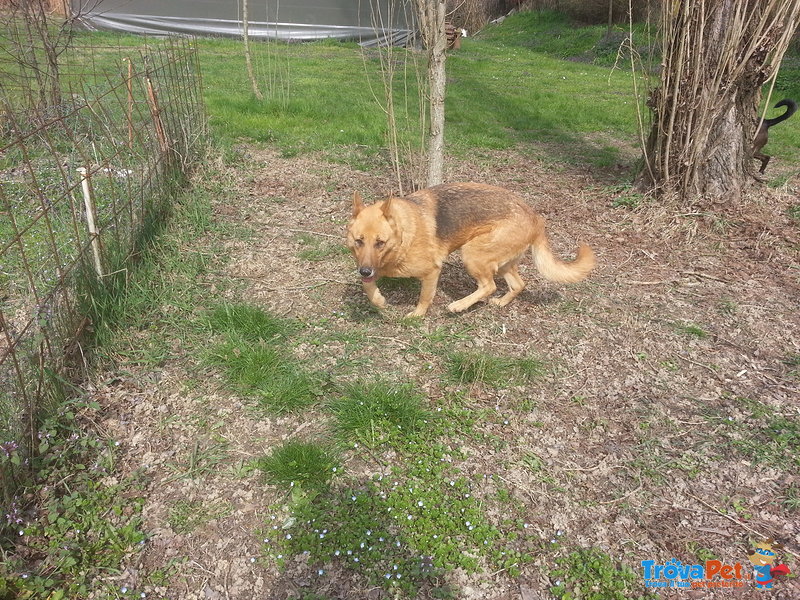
<point x="386" y="209"/>
<point x="358" y="204"/>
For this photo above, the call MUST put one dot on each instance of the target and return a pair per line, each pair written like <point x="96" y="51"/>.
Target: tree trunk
<point x="431" y="14"/>
<point x="247" y="58"/>
<point x="717" y="55"/>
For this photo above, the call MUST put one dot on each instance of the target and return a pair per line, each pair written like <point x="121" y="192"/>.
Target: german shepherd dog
<point x="763" y="132"/>
<point x="413" y="235"/>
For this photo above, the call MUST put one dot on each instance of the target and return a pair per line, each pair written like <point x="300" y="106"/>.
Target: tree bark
<point x="432" y="18"/>
<point x="247" y="58"/>
<point x="717" y="55"/>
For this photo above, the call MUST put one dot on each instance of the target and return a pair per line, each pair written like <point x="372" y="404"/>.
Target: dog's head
<point x="371" y="236"/>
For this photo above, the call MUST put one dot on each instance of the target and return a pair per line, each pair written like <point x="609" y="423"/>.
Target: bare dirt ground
<point x="665" y="370"/>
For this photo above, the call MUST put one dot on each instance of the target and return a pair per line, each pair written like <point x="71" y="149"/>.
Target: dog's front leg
<point x="374" y="294"/>
<point x="426" y="294"/>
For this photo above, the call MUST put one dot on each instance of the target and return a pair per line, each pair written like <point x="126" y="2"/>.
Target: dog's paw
<point x="457" y="306"/>
<point x="416" y="314"/>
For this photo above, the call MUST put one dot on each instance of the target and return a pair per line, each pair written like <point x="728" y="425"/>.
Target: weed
<point x="776" y="443"/>
<point x="691" y="330"/>
<point x="85" y="523"/>
<point x="793" y="362"/>
<point x="728" y="307"/>
<point x="591" y="574"/>
<point x="702" y="554"/>
<point x="309" y="465"/>
<point x="316" y="250"/>
<point x="495" y="371"/>
<point x="378" y="412"/>
<point x="792" y="499"/>
<point x="631" y="200"/>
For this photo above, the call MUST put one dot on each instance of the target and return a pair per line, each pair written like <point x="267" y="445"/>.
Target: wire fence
<point x="91" y="150"/>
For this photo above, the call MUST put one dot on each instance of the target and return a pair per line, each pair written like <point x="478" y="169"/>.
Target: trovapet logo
<point x="711" y="574"/>
<point x="716" y="573"/>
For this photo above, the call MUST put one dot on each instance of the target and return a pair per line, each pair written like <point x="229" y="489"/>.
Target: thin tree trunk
<point x="247" y="58"/>
<point x="432" y="17"/>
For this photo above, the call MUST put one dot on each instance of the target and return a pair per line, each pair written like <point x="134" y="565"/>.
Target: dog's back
<point x="459" y="209"/>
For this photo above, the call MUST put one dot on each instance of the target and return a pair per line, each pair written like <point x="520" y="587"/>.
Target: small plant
<point x="630" y="201"/>
<point x="496" y="371"/>
<point x="776" y="443"/>
<point x="691" y="330"/>
<point x="378" y="412"/>
<point x="307" y="464"/>
<point x="793" y="362"/>
<point x="590" y="574"/>
<point x="792" y="499"/>
<point x="187" y="516"/>
<point x="316" y="250"/>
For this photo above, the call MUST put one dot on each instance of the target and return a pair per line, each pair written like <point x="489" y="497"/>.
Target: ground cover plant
<point x="540" y="450"/>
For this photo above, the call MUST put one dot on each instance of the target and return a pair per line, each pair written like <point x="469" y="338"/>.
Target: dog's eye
<point x="380" y="244"/>
<point x="359" y="242"/>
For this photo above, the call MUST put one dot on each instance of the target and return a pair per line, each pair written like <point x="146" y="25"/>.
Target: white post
<point x="90" y="220"/>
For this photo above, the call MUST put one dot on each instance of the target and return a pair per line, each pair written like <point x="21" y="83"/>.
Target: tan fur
<point x="412" y="237"/>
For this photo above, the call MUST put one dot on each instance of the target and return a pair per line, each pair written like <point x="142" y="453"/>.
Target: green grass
<point x="186" y="516"/>
<point x="249" y="323"/>
<point x="277" y="382"/>
<point x="492" y="370"/>
<point x="254" y="357"/>
<point x="308" y="464"/>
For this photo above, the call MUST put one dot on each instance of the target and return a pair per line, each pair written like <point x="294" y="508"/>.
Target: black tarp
<point x="369" y="22"/>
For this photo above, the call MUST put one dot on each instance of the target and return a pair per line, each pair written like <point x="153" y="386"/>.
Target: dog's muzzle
<point x="367" y="273"/>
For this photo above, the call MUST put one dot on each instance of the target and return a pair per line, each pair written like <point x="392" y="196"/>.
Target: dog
<point x="763" y="131"/>
<point x="413" y="235"/>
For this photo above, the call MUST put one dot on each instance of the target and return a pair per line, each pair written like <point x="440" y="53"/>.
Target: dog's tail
<point x="791" y="108"/>
<point x="555" y="269"/>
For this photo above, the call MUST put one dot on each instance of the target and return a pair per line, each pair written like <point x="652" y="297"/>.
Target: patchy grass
<point x="277" y="382"/>
<point x="495" y="371"/>
<point x="400" y="529"/>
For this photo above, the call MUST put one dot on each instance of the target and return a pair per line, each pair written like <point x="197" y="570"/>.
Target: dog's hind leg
<point x="486" y="287"/>
<point x="510" y="272"/>
<point x="483" y="272"/>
